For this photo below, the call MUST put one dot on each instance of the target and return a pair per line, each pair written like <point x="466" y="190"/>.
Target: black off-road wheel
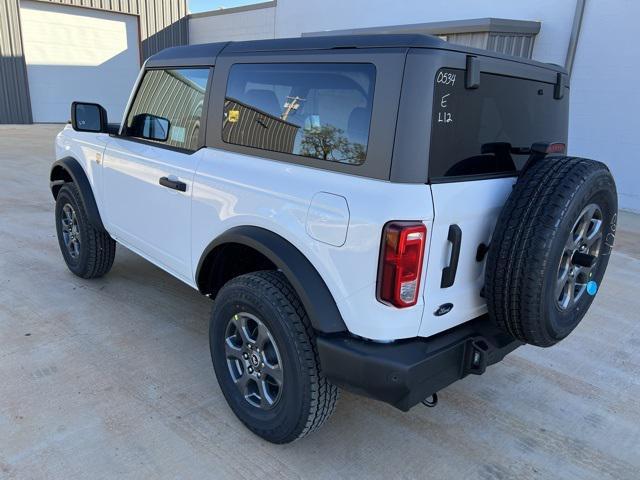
<point x="265" y="358"/>
<point x="550" y="248"/>
<point x="87" y="251"/>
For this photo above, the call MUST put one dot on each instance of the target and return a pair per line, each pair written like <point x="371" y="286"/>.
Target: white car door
<point x="148" y="169"/>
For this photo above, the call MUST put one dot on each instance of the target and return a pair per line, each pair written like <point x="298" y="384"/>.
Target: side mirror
<point x="88" y="117"/>
<point x="150" y="127"/>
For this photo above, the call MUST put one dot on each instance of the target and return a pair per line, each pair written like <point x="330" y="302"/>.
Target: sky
<point x="196" y="6"/>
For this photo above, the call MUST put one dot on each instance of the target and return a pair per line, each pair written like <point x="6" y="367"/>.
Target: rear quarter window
<point x="320" y="111"/>
<point x="474" y="131"/>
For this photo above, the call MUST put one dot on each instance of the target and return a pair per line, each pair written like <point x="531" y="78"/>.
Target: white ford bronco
<point x="385" y="214"/>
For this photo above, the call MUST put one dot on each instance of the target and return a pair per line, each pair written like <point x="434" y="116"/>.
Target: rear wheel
<point x="265" y="358"/>
<point x="550" y="248"/>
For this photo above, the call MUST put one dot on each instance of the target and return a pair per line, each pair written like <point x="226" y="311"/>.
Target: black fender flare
<point x="69" y="169"/>
<point x="314" y="294"/>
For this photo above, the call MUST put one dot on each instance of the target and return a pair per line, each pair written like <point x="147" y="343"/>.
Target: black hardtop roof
<point x="206" y="54"/>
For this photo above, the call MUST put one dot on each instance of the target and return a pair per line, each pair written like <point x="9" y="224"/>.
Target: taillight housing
<point x="547" y="147"/>
<point x="400" y="267"/>
<point x="556" y="148"/>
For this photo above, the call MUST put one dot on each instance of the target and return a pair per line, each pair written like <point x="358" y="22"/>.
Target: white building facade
<point x="605" y="105"/>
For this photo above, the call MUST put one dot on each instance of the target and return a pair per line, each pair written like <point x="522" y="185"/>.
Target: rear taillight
<point x="401" y="263"/>
<point x="545" y="148"/>
<point x="556" y="148"/>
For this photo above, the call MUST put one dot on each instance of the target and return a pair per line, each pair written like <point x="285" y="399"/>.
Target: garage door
<point x="75" y="53"/>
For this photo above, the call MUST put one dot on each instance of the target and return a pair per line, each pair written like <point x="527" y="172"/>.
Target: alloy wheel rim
<point x="253" y="360"/>
<point x="70" y="231"/>
<point x="580" y="257"/>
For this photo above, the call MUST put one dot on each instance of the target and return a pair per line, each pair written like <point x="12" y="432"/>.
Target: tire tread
<point x="101" y="247"/>
<point x="323" y="396"/>
<point x="520" y="248"/>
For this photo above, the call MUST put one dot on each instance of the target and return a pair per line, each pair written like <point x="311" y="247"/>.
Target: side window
<point x="168" y="107"/>
<point x="318" y="110"/>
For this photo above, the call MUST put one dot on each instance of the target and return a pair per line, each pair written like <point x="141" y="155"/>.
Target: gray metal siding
<point x="15" y="106"/>
<point x="511" y="44"/>
<point x="468" y="39"/>
<point x="168" y="94"/>
<point x="511" y="37"/>
<point x="517" y="44"/>
<point x="163" y="23"/>
<point x="258" y="129"/>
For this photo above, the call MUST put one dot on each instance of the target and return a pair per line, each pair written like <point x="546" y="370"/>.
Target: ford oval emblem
<point x="443" y="309"/>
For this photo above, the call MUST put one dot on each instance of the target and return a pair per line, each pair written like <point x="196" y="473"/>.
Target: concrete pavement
<point x="111" y="378"/>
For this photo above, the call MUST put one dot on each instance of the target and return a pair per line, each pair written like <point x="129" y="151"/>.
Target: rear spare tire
<point x="550" y="248"/>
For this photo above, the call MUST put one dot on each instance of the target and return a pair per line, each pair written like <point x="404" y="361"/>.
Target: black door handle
<point x="174" y="184"/>
<point x="449" y="273"/>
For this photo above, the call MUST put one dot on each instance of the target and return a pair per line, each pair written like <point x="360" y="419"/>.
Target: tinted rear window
<point x="320" y="111"/>
<point x="472" y="129"/>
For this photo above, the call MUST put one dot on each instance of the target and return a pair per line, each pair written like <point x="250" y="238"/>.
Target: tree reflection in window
<point x="320" y="111"/>
<point x="329" y="143"/>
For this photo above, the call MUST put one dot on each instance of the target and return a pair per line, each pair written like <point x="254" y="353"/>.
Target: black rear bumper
<point x="406" y="372"/>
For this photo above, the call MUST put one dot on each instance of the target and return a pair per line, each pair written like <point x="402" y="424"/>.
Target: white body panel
<point x="143" y="214"/>
<point x="80" y="54"/>
<point x="335" y="220"/>
<point x="328" y="219"/>
<point x="88" y="149"/>
<point x="231" y="189"/>
<point x="474" y="206"/>
<point x="226" y="189"/>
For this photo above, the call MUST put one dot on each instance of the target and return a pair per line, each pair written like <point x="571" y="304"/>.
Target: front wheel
<point x="87" y="251"/>
<point x="265" y="358"/>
